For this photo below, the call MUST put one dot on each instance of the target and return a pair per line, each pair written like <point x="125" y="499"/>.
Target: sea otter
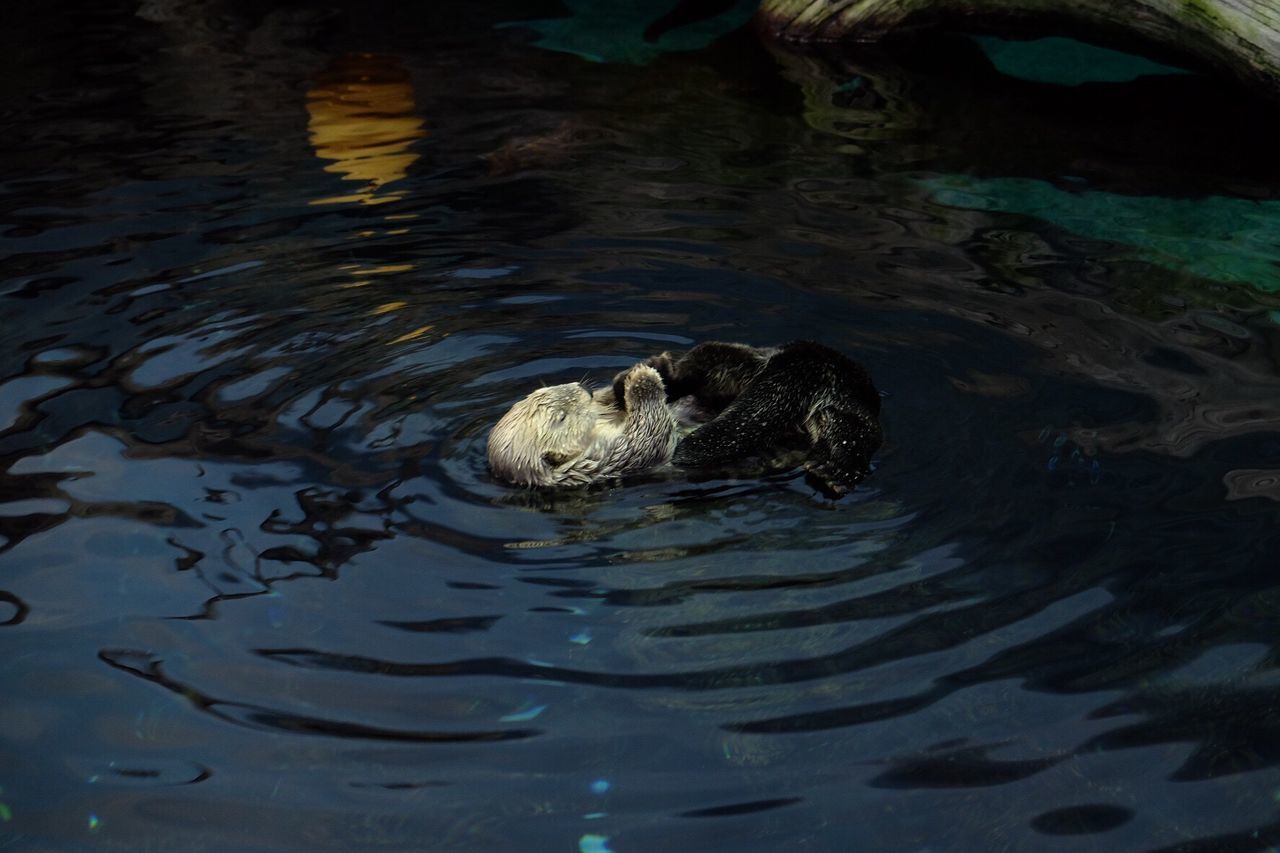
<point x="765" y="400"/>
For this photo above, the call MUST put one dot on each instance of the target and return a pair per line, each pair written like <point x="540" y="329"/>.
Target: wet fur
<point x="801" y="395"/>
<point x="567" y="436"/>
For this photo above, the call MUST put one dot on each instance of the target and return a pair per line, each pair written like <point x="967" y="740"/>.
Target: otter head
<point x="542" y="440"/>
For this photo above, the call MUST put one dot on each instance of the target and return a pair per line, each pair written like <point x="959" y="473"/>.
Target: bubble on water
<point x="581" y="638"/>
<point x="600" y="786"/>
<point x="94" y="822"/>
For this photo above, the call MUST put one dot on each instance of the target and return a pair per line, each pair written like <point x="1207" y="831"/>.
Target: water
<point x="272" y="273"/>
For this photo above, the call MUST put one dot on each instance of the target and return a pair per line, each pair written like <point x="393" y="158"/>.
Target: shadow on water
<point x="271" y="274"/>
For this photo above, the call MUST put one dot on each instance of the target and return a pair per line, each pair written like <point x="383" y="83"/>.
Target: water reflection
<point x="361" y="117"/>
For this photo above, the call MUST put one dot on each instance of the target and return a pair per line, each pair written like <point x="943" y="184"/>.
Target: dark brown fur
<point x="802" y="394"/>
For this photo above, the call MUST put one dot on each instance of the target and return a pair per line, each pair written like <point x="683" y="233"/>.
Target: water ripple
<point x="255" y="716"/>
<point x="270" y="276"/>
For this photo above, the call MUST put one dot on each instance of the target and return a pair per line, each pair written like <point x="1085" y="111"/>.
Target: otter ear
<point x="554" y="459"/>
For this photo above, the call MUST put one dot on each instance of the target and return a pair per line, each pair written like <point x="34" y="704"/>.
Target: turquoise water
<point x="272" y="272"/>
<point x="1223" y="239"/>
<point x="1067" y="62"/>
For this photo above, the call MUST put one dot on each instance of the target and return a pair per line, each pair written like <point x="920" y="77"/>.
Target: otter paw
<point x="665" y="364"/>
<point x="641" y="383"/>
<point x="623" y="379"/>
<point x="830" y="479"/>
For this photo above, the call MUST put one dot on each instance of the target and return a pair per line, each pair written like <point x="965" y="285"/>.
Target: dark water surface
<point x="271" y="272"/>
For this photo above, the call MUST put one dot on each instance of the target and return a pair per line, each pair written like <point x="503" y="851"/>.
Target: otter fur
<point x="800" y="394"/>
<point x="567" y="436"/>
<point x="764" y="400"/>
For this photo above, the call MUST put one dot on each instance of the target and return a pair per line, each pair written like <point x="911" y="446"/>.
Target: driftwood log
<point x="1240" y="37"/>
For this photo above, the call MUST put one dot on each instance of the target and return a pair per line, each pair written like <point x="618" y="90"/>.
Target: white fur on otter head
<point x="565" y="436"/>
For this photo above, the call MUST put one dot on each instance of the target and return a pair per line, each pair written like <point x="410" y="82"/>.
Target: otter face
<point x="539" y="439"/>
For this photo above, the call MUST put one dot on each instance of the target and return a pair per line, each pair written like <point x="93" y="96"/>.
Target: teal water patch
<point x="592" y="843"/>
<point x="607" y="31"/>
<point x="1226" y="239"/>
<point x="1067" y="62"/>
